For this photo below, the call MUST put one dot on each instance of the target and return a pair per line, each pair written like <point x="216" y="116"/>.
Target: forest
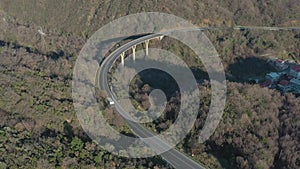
<point x="39" y="128"/>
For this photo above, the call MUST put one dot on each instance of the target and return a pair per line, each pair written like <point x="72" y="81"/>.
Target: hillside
<point x="39" y="128"/>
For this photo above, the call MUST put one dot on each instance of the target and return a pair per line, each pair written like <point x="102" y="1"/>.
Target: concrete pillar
<point x="122" y="58"/>
<point x="133" y="52"/>
<point x="147" y="47"/>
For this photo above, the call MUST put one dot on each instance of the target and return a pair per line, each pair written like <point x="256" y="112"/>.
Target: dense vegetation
<point x="38" y="126"/>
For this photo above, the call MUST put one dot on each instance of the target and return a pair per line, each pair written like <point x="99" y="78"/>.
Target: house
<point x="273" y="76"/>
<point x="296" y="85"/>
<point x="267" y="83"/>
<point x="280" y="64"/>
<point x="284" y="86"/>
<point x="295" y="71"/>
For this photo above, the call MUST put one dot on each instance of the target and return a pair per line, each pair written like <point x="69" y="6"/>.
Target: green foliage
<point x="3" y="165"/>
<point x="98" y="158"/>
<point x="2" y="49"/>
<point x="77" y="144"/>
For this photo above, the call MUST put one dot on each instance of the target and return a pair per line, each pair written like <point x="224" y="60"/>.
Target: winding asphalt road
<point x="177" y="159"/>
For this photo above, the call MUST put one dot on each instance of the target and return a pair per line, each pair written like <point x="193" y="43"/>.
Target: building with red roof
<point x="296" y="68"/>
<point x="284" y="82"/>
<point x="284" y="86"/>
<point x="295" y="71"/>
<point x="267" y="83"/>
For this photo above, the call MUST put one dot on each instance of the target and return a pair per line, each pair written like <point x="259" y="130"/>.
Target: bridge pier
<point x="147" y="47"/>
<point x="133" y="52"/>
<point x="122" y="58"/>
